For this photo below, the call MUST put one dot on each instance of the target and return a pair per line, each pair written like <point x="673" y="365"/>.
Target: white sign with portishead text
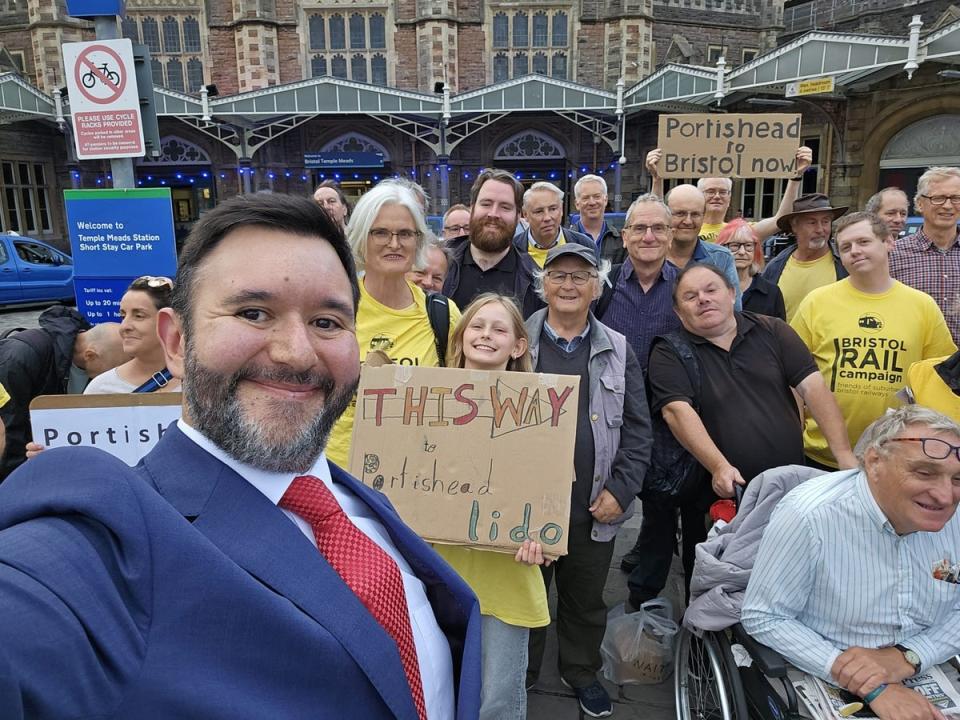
<point x="125" y="425"/>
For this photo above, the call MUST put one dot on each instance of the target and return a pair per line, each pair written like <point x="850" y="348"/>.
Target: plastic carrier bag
<point x="637" y="647"/>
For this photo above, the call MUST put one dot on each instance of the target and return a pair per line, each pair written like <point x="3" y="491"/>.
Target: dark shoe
<point x="630" y="561"/>
<point x="594" y="700"/>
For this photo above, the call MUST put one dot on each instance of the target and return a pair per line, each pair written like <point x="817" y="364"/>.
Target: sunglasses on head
<point x="152" y="281"/>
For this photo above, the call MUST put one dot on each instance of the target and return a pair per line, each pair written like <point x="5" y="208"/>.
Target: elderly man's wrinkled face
<point x="570" y="285"/>
<point x="941" y="210"/>
<point x="915" y="478"/>
<point x="687" y="205"/>
<point x="717" y="193"/>
<point x="893" y="210"/>
<point x="704" y="303"/>
<point x="812" y="229"/>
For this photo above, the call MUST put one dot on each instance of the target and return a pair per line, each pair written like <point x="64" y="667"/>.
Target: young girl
<point x="513" y="599"/>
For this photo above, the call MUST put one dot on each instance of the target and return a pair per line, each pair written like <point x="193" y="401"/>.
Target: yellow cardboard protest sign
<point x="470" y="457"/>
<point x="729" y="145"/>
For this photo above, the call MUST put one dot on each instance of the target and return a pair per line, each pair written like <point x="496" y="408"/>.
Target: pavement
<point x="551" y="700"/>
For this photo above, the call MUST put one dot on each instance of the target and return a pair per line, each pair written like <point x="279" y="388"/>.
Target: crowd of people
<point x="180" y="573"/>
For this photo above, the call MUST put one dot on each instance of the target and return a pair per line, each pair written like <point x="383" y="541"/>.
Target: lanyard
<point x="156" y="382"/>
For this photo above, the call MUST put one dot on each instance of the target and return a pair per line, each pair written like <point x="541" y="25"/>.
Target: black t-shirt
<point x="745" y="400"/>
<point x="501" y="278"/>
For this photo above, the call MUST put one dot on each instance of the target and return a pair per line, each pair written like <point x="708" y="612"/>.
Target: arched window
<point x="318" y="66"/>
<point x="171" y="35"/>
<point x="378" y="34"/>
<point x="151" y="35"/>
<point x="540" y="29"/>
<point x="358" y="32"/>
<point x="338" y="66"/>
<point x="130" y="29"/>
<point x="156" y="69"/>
<point x="175" y="75"/>
<point x="194" y="75"/>
<point x="521" y="37"/>
<point x="501" y="31"/>
<point x="560" y="29"/>
<point x="337" y="36"/>
<point x="378" y="70"/>
<point x="191" y="35"/>
<point x="358" y="68"/>
<point x="540" y="63"/>
<point x="318" y="37"/>
<point x="560" y="65"/>
<point x="521" y="64"/>
<point x="501" y="68"/>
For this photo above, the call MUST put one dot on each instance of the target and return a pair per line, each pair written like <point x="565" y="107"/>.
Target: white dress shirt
<point x="832" y="573"/>
<point x="433" y="650"/>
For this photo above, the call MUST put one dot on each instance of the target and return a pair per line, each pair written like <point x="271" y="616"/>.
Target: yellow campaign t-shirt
<point x="538" y="253"/>
<point x="512" y="592"/>
<point x="929" y="389"/>
<point x="709" y="231"/>
<point x="864" y="344"/>
<point x="4" y="396"/>
<point x="800" y="277"/>
<point x="405" y="335"/>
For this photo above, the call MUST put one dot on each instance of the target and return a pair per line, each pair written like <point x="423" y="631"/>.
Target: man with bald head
<point x="687" y="207"/>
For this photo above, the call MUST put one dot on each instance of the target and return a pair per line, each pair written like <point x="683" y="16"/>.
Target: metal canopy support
<point x="606" y="128"/>
<point x="460" y="130"/>
<point x="229" y="135"/>
<point x="425" y="131"/>
<point x="259" y="136"/>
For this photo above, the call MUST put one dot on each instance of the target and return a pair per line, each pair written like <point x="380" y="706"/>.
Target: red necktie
<point x="363" y="565"/>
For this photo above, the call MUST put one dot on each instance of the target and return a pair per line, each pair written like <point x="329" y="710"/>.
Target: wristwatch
<point x="910" y="656"/>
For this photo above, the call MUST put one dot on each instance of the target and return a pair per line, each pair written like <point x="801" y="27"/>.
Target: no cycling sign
<point x="104" y="101"/>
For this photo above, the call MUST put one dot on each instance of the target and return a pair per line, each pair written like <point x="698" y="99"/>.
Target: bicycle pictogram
<point x="104" y="75"/>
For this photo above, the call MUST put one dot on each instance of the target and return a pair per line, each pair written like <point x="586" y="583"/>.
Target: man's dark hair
<point x="500" y="176"/>
<point x="335" y="186"/>
<point x="693" y="266"/>
<point x="286" y="213"/>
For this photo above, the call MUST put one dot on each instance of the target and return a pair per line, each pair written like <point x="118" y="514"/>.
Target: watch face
<point x="912" y="658"/>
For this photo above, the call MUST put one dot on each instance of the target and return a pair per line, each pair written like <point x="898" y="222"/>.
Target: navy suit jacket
<point x="176" y="589"/>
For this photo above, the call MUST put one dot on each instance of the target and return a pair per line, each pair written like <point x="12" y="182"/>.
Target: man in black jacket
<point x="38" y="362"/>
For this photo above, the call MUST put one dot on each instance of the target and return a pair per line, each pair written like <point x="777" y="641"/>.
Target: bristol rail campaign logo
<point x="871" y="322"/>
<point x="382" y="342"/>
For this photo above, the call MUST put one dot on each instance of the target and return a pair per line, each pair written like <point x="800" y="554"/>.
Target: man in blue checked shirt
<point x="849" y="584"/>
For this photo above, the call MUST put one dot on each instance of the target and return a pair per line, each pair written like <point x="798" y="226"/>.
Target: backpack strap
<point x="438" y="312"/>
<point x="688" y="357"/>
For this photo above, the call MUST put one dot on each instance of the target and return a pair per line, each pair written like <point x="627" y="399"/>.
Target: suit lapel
<point x="254" y="533"/>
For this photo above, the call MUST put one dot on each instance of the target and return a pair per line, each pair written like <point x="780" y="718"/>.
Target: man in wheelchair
<point x="856" y="580"/>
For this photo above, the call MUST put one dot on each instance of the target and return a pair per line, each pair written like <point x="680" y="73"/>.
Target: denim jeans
<point x="503" y="650"/>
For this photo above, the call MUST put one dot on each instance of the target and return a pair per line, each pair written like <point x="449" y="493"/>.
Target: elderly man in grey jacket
<point x="610" y="458"/>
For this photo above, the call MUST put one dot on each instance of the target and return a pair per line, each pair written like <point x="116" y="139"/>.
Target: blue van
<point x="32" y="271"/>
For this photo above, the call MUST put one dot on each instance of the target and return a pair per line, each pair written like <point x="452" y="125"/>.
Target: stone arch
<point x="932" y="140"/>
<point x="175" y="150"/>
<point x="530" y="145"/>
<point x="356" y="142"/>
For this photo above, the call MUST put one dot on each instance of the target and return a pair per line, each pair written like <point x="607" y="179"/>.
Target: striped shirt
<point x="831" y="574"/>
<point x="918" y="262"/>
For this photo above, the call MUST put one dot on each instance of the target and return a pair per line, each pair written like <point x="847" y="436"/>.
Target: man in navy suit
<point x="179" y="588"/>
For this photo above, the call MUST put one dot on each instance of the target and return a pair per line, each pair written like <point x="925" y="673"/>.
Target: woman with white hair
<point x="388" y="235"/>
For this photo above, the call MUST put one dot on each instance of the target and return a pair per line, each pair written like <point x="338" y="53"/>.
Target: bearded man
<point x="233" y="573"/>
<point x="486" y="260"/>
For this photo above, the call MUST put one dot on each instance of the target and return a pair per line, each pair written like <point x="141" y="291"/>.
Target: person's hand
<point x="724" y="478"/>
<point x="605" y="508"/>
<point x="847" y="460"/>
<point x="531" y="553"/>
<point x="804" y="159"/>
<point x="900" y="703"/>
<point x="653" y="159"/>
<point x="33" y="449"/>
<point x="860" y="670"/>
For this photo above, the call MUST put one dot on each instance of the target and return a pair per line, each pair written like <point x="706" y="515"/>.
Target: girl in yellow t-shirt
<point x="513" y="597"/>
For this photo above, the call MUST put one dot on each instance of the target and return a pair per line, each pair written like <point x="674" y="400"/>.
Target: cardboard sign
<point x="126" y="425"/>
<point x="743" y="146"/>
<point x="470" y="457"/>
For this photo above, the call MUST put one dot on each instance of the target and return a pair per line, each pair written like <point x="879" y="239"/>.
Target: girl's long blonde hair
<point x="522" y="363"/>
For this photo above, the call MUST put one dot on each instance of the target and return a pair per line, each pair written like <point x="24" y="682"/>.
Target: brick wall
<point x="471" y="57"/>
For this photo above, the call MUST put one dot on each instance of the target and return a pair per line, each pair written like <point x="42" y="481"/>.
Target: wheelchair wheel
<point x="706" y="681"/>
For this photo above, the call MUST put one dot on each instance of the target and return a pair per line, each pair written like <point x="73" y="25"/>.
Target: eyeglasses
<point x="580" y="277"/>
<point x="942" y="199"/>
<point x="716" y="193"/>
<point x="658" y="229"/>
<point x="734" y="247"/>
<point x="457" y="228"/>
<point x="383" y="236"/>
<point x="933" y="448"/>
<point x="152" y="281"/>
<point x="683" y="214"/>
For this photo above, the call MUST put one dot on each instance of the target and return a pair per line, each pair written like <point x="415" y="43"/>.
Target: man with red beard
<point x="487" y="260"/>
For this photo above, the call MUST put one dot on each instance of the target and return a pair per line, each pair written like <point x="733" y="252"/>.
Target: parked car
<point x="32" y="271"/>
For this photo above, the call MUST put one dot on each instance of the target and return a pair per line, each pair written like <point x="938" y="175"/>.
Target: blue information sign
<point x="117" y="236"/>
<point x="93" y="8"/>
<point x="342" y="160"/>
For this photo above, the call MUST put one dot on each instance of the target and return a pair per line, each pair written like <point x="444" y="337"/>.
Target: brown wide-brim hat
<point x="814" y="202"/>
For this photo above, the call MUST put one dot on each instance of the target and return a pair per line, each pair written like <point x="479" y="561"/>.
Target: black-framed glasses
<point x="933" y="448"/>
<point x="658" y="229"/>
<point x="383" y="236"/>
<point x="459" y="229"/>
<point x="734" y="247"/>
<point x="580" y="277"/>
<point x="942" y="199"/>
<point x="152" y="281"/>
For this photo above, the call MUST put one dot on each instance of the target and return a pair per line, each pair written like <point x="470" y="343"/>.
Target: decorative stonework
<point x="177" y="151"/>
<point x="355" y="142"/>
<point x="529" y="145"/>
